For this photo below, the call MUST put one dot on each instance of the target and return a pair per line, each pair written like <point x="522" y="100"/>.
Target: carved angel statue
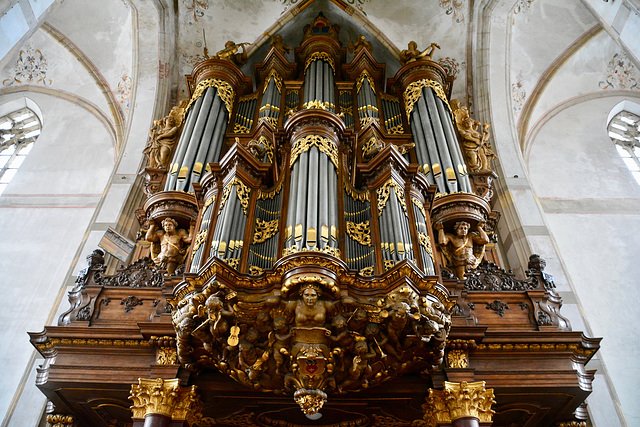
<point x="463" y="250"/>
<point x="278" y="44"/>
<point x="162" y="137"/>
<point x="173" y="244"/>
<point x="360" y="43"/>
<point x="475" y="140"/>
<point x="230" y="52"/>
<point x="413" y="54"/>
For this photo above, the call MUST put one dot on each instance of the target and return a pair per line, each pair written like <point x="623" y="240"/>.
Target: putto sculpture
<point x="172" y="242"/>
<point x="310" y="338"/>
<point x="464" y="251"/>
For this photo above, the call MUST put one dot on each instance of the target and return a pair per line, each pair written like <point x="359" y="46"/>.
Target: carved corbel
<point x="458" y="401"/>
<point x="165" y="398"/>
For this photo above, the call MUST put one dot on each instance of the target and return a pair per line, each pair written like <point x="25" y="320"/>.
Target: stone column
<point x="163" y="402"/>
<point x="459" y="405"/>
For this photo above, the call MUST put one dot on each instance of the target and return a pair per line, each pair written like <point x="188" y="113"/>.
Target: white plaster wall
<point x="574" y="168"/>
<point x="44" y="213"/>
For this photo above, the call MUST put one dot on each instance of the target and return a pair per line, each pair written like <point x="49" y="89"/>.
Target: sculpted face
<point x="310" y="297"/>
<point x="462" y="229"/>
<point x="168" y="226"/>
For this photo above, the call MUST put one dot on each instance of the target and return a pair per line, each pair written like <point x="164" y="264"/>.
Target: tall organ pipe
<point x="196" y="142"/>
<point x="435" y="146"/>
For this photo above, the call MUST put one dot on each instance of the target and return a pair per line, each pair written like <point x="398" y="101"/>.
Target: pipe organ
<point x="319" y="236"/>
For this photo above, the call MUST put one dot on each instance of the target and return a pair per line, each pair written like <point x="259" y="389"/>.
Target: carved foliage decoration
<point x="360" y="232"/>
<point x="383" y="193"/>
<point x="264" y="230"/>
<point x="164" y="397"/>
<point x="324" y="144"/>
<point x="458" y="400"/>
<point x="413" y="92"/>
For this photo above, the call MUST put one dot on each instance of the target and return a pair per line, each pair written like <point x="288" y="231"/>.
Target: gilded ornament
<point x="324" y="144"/>
<point x="365" y="75"/>
<point x="163" y="397"/>
<point x="200" y="239"/>
<point x="384" y="191"/>
<point x="167" y="356"/>
<point x="360" y="232"/>
<point x="323" y="56"/>
<point x="225" y="92"/>
<point x="425" y="242"/>
<point x="255" y="271"/>
<point x="458" y="400"/>
<point x="263" y="195"/>
<point x="264" y="230"/>
<point x="395" y="130"/>
<point x="457" y="359"/>
<point x="413" y="92"/>
<point x="355" y="195"/>
<point x="60" y="420"/>
<point x="276" y="79"/>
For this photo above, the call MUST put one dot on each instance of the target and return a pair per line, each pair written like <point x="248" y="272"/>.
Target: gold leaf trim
<point x="276" y="79"/>
<point x="324" y="144"/>
<point x="383" y="193"/>
<point x="355" y="195"/>
<point x="413" y="92"/>
<point x="225" y="92"/>
<point x="323" y="56"/>
<point x="264" y="230"/>
<point x="360" y="232"/>
<point x="365" y="75"/>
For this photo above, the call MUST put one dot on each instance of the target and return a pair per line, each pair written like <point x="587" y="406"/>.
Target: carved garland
<point x="360" y="232"/>
<point x="276" y="79"/>
<point x="323" y="56"/>
<point x="365" y="75"/>
<point x="413" y="92"/>
<point x="225" y="92"/>
<point x="383" y="193"/>
<point x="324" y="144"/>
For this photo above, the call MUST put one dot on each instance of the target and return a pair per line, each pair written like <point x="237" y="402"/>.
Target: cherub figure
<point x="278" y="44"/>
<point x="279" y="340"/>
<point x="230" y="52"/>
<point x="162" y="137"/>
<point x="360" y="367"/>
<point x="463" y="250"/>
<point x="413" y="54"/>
<point x="173" y="244"/>
<point x="398" y="318"/>
<point x="360" y="43"/>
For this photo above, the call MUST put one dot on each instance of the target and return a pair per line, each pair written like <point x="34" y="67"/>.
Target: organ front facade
<point x="321" y="250"/>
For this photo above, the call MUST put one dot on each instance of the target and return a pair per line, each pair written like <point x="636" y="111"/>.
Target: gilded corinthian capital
<point x="458" y="400"/>
<point x="164" y="397"/>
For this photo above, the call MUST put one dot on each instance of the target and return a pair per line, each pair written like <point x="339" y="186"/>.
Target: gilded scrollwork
<point x="360" y="232"/>
<point x="264" y="230"/>
<point x="384" y="191"/>
<point x="413" y="92"/>
<point x="276" y="79"/>
<point x="200" y="239"/>
<point x="324" y="144"/>
<point x="355" y="195"/>
<point x="323" y="56"/>
<point x="225" y="91"/>
<point x="365" y="75"/>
